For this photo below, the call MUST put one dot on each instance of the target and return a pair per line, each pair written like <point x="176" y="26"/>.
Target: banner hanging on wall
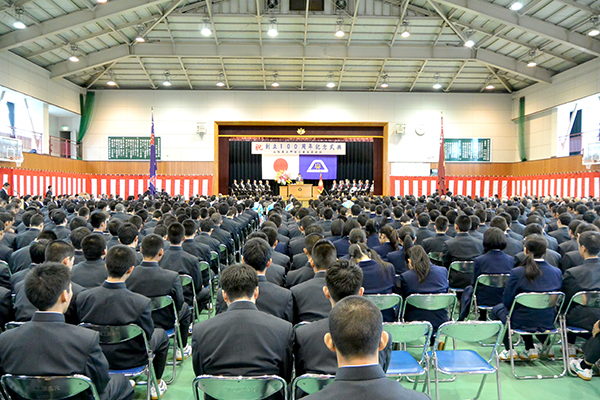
<point x="331" y="148"/>
<point x="317" y="167"/>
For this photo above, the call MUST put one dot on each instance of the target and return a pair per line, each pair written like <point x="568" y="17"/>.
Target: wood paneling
<point x="48" y="163"/>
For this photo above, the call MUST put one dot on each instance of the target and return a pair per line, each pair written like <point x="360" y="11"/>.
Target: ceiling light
<point x="531" y="64"/>
<point x="140" y="39"/>
<point x="469" y="42"/>
<point x="330" y="82"/>
<point x="275" y="82"/>
<point x="384" y="83"/>
<point x="516" y="6"/>
<point x="272" y="28"/>
<point x="101" y="1"/>
<point x="221" y="80"/>
<point x="74" y="58"/>
<point x="405" y="33"/>
<point x="490" y="87"/>
<point x="167" y="81"/>
<point x="111" y="80"/>
<point x="437" y="85"/>
<point x="593" y="30"/>
<point x="74" y="50"/>
<point x="339" y="30"/>
<point x="19" y="24"/>
<point x="530" y="59"/>
<point x="205" y="31"/>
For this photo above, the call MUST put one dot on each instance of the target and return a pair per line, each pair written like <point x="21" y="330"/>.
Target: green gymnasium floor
<point x="464" y="387"/>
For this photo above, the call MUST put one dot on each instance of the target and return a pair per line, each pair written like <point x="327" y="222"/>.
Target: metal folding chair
<point x="47" y="387"/>
<point x="159" y="303"/>
<point x="185" y="281"/>
<point x="464" y="267"/>
<point x="311" y="383"/>
<point x="204" y="266"/>
<point x="457" y="362"/>
<point x="223" y="256"/>
<point x="403" y="362"/>
<point x="483" y="282"/>
<point x="436" y="258"/>
<point x="387" y="302"/>
<point x="430" y="302"/>
<point x="538" y="301"/>
<point x="239" y="388"/>
<point x="587" y="299"/>
<point x="112" y="334"/>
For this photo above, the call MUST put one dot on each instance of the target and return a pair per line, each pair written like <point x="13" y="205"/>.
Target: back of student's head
<point x="271" y="234"/>
<point x="127" y="233"/>
<point x="77" y="236"/>
<point x="44" y="284"/>
<point x="259" y="235"/>
<point x="113" y="226"/>
<point x="58" y="217"/>
<point x="37" y="251"/>
<point x="97" y="218"/>
<point x="343" y="279"/>
<point x="441" y="224"/>
<point x="499" y="222"/>
<point x="160" y="230"/>
<point x="323" y="254"/>
<point x="337" y="227"/>
<point x="591" y="241"/>
<point x="189" y="227"/>
<point x="36" y="220"/>
<point x="58" y="250"/>
<point x="349" y="225"/>
<point x="206" y="225"/>
<point x="536" y="246"/>
<point x="357" y="235"/>
<point x="93" y="246"/>
<point x="475" y="221"/>
<point x="175" y="233"/>
<point x="494" y="239"/>
<point x="355" y="325"/>
<point x="423" y="219"/>
<point x="310" y="240"/>
<point x="419" y="261"/>
<point x="533" y="229"/>
<point x="151" y="246"/>
<point x="118" y="260"/>
<point x="257" y="253"/>
<point x="463" y="222"/>
<point x="239" y="281"/>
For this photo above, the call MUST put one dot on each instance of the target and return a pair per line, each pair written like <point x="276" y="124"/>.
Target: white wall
<point x="27" y="78"/>
<point x="127" y="113"/>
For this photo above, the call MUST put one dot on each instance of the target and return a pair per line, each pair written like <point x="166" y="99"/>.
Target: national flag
<point x="152" y="181"/>
<point x="441" y="180"/>
<point x="271" y="164"/>
<point x="321" y="186"/>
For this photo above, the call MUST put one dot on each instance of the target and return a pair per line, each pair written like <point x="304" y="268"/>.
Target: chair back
<point x="406" y="332"/>
<point x="312" y="383"/>
<point x="204" y="266"/>
<point x="436" y="257"/>
<point x="466" y="267"/>
<point x="431" y="302"/>
<point x="470" y="331"/>
<point x="586" y="299"/>
<point x="48" y="387"/>
<point x="385" y="301"/>
<point x="13" y="325"/>
<point x="239" y="388"/>
<point x="161" y="302"/>
<point x="492" y="280"/>
<point x="187" y="280"/>
<point x="113" y="334"/>
<point x="539" y="301"/>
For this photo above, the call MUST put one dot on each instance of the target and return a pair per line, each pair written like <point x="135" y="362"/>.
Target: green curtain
<point x="521" y="127"/>
<point x="87" y="106"/>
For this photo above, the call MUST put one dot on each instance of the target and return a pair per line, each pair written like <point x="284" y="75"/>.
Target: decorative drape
<point x="357" y="163"/>
<point x="87" y="106"/>
<point x="242" y="163"/>
<point x="521" y="124"/>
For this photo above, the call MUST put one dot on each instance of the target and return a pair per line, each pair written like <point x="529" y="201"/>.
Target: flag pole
<point x="441" y="181"/>
<point x="152" y="181"/>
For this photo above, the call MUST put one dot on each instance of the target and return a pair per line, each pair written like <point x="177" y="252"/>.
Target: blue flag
<point x="152" y="182"/>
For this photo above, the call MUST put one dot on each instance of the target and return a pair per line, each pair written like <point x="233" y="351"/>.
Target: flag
<point x="441" y="180"/>
<point x="152" y="182"/>
<point x="320" y="187"/>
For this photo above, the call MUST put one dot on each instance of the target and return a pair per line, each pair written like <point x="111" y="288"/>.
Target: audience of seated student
<point x="388" y="242"/>
<point x="535" y="276"/>
<point x="561" y="233"/>
<point x="48" y="288"/>
<point x="585" y="277"/>
<point x="280" y="257"/>
<point x="76" y="237"/>
<point x="463" y="247"/>
<point x="296" y="245"/>
<point x="311" y="355"/>
<point x="406" y="237"/>
<point x="128" y="236"/>
<point x="371" y="229"/>
<point x="113" y="304"/>
<point x="197" y="249"/>
<point x="356" y="336"/>
<point x="305" y="272"/>
<point x="474" y="230"/>
<point x="150" y="280"/>
<point x="423" y="277"/>
<point x="343" y="244"/>
<point x="275" y="274"/>
<point x="513" y="246"/>
<point x="435" y="244"/>
<point x="272" y="299"/>
<point x="36" y="225"/>
<point x="551" y="256"/>
<point x="242" y="340"/>
<point x="571" y="244"/>
<point x="494" y="261"/>
<point x="310" y="304"/>
<point x="378" y="276"/>
<point x="422" y="231"/>
<point x="301" y="259"/>
<point x="573" y="258"/>
<point x="591" y="355"/>
<point x="91" y="272"/>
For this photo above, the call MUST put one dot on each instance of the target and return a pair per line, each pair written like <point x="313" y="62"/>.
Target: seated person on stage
<point x="243" y="340"/>
<point x="356" y="336"/>
<point x="310" y="353"/>
<point x="113" y="304"/>
<point x="536" y="276"/>
<point x="591" y="355"/>
<point x="299" y="179"/>
<point x="49" y="346"/>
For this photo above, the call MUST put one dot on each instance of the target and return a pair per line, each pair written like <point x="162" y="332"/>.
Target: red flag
<point x="320" y="187"/>
<point x="441" y="180"/>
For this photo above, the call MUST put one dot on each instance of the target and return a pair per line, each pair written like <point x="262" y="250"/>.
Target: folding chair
<point x="468" y="362"/>
<point x="464" y="267"/>
<point x="403" y="362"/>
<point x="47" y="387"/>
<point x="387" y="302"/>
<point x="204" y="266"/>
<point x="436" y="258"/>
<point x="430" y="302"/>
<point x="158" y="303"/>
<point x="12" y="325"/>
<point x="185" y="281"/>
<point x="239" y="388"/>
<point x="587" y="299"/>
<point x="311" y="383"/>
<point x="538" y="301"/>
<point x="484" y="282"/>
<point x="215" y="266"/>
<point x="111" y="334"/>
<point x="223" y="256"/>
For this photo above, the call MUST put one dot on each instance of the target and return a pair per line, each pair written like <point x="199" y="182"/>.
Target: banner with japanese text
<point x="330" y="148"/>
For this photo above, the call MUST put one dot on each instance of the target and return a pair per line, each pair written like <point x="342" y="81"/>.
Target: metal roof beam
<point x="187" y="76"/>
<point x="92" y="60"/>
<point x="462" y="66"/>
<point x="146" y="72"/>
<point x="502" y="80"/>
<point x="71" y="21"/>
<point x="527" y="23"/>
<point x="174" y="4"/>
<point x="509" y="64"/>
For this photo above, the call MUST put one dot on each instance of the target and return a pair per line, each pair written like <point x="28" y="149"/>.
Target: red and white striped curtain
<point x="564" y="185"/>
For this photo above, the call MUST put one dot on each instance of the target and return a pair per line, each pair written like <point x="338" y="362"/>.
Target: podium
<point x="301" y="191"/>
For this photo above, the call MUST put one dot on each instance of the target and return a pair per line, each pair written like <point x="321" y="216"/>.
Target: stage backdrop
<point x="309" y="166"/>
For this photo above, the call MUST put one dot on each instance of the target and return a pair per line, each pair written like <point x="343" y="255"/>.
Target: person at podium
<point x="299" y="179"/>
